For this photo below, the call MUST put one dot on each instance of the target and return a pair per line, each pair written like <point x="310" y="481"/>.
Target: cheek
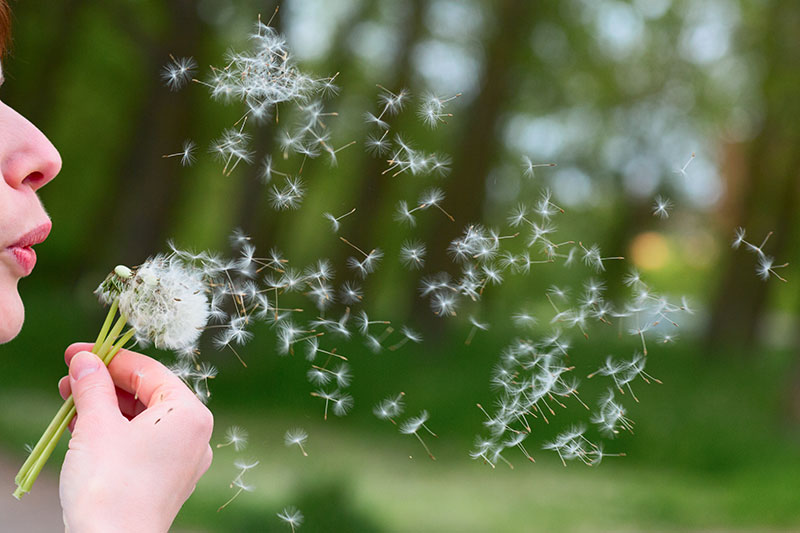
<point x="12" y="312"/>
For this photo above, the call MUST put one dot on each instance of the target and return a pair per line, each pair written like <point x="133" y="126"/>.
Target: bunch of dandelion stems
<point x="108" y="343"/>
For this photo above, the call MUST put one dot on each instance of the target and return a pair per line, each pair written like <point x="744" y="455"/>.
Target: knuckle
<point x="203" y="422"/>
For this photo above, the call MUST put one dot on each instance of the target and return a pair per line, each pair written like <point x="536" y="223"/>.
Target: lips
<point x="22" y="249"/>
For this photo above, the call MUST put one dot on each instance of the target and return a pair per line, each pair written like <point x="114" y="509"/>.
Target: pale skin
<point x="140" y="440"/>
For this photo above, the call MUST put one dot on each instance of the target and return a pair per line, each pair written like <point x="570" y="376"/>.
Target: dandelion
<point x="296" y="437"/>
<point x="351" y="293"/>
<point x="292" y="517"/>
<point x="475" y="327"/>
<point x="178" y="72"/>
<point x="591" y="257"/>
<point x="236" y="437"/>
<point x="766" y="267"/>
<point x="571" y="444"/>
<point x="408" y="335"/>
<point x="766" y="264"/>
<point x="369" y="118"/>
<point x="611" y="416"/>
<point x="412" y="254"/>
<point x="529" y="166"/>
<point x="232" y="148"/>
<point x="404" y="214"/>
<point x="516" y="441"/>
<point x="334" y="220"/>
<point x="238" y="481"/>
<point x="368" y="264"/>
<point x="186" y="154"/>
<point x="392" y="103"/>
<point x="523" y="319"/>
<point x="241" y="486"/>
<point x="390" y="408"/>
<point x="342" y="403"/>
<point x="682" y="170"/>
<point x="412" y="427"/>
<point x="432" y="112"/>
<point x="378" y="145"/>
<point x="662" y="207"/>
<point x="739" y="238"/>
<point x="203" y="374"/>
<point x="433" y="198"/>
<point x="289" y="196"/>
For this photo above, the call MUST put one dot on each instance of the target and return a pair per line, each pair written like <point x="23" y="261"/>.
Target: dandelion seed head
<point x="165" y="301"/>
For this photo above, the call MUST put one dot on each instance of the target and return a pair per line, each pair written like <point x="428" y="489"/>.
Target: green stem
<point x="43" y="440"/>
<point x="51" y="428"/>
<point x="112" y="336"/>
<point x="106" y="325"/>
<point x="34" y="471"/>
<point x="118" y="346"/>
<point x="105" y="348"/>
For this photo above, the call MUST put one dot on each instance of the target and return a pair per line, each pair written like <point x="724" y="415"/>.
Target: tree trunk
<point x="481" y="141"/>
<point x="148" y="186"/>
<point x="770" y="195"/>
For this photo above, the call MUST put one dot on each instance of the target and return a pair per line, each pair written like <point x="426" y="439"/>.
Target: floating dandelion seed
<point x="408" y="335"/>
<point x="238" y="481"/>
<point x="186" y="154"/>
<point x="529" y="166"/>
<point x="236" y="437"/>
<point x="766" y="264"/>
<point x="392" y="103"/>
<point x="296" y="437"/>
<point x="412" y="254"/>
<point x="412" y="427"/>
<point x="766" y="267"/>
<point x="662" y="207"/>
<point x="433" y="197"/>
<point x="390" y="408"/>
<point x="432" y="111"/>
<point x="334" y="220"/>
<point x="682" y="170"/>
<point x="178" y="72"/>
<point x="292" y="517"/>
<point x="475" y="327"/>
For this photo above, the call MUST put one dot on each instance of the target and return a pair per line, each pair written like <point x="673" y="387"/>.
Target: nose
<point x="27" y="157"/>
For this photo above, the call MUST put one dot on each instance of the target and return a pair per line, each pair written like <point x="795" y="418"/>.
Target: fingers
<point x="63" y="387"/>
<point x="140" y="375"/>
<point x="92" y="389"/>
<point x="74" y="348"/>
<point x="129" y="405"/>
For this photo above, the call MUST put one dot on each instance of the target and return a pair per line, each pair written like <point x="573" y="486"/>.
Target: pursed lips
<point x="22" y="249"/>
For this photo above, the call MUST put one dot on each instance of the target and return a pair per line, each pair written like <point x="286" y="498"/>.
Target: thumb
<point x="92" y="387"/>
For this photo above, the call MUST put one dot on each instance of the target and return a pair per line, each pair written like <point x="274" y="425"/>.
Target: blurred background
<point x="618" y="93"/>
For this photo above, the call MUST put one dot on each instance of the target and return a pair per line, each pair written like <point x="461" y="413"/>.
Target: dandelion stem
<point x="105" y="347"/>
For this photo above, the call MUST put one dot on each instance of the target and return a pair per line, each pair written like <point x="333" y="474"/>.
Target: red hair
<point x="5" y="26"/>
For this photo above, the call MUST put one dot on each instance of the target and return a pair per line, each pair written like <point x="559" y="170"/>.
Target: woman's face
<point x="27" y="162"/>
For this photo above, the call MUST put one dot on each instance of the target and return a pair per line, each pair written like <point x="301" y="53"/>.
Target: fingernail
<point x="83" y="364"/>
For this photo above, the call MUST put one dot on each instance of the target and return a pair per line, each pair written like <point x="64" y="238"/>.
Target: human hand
<point x="137" y="452"/>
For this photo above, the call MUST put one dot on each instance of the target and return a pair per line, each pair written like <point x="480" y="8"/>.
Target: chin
<point x="12" y="311"/>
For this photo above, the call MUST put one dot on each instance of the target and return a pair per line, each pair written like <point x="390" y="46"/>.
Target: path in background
<point x="37" y="512"/>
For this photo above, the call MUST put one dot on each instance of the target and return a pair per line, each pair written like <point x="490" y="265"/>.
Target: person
<point x="140" y="440"/>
